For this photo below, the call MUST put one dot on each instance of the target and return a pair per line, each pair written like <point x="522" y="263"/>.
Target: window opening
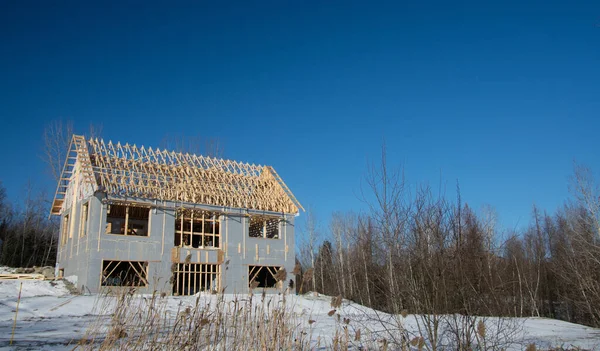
<point x="124" y="273"/>
<point x="264" y="227"/>
<point x="191" y="278"/>
<point x="65" y="230"/>
<point x="127" y="220"/>
<point x="84" y="220"/>
<point x="262" y="276"/>
<point x="197" y="229"/>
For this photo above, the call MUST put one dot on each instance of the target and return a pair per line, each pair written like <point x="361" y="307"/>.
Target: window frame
<point x="196" y="218"/>
<point x="65" y="229"/>
<point x="127" y="228"/>
<point x="255" y="269"/>
<point x="193" y="276"/>
<point x="84" y="219"/>
<point x="265" y="226"/>
<point x="144" y="265"/>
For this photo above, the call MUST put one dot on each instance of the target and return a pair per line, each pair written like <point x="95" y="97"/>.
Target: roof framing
<point x="128" y="170"/>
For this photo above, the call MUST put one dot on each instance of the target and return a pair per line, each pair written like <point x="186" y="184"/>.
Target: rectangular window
<point x="263" y="276"/>
<point x="65" y="230"/>
<point x="127" y="220"/>
<point x="124" y="273"/>
<point x="192" y="278"/>
<point x="197" y="229"/>
<point x="83" y="222"/>
<point x="264" y="227"/>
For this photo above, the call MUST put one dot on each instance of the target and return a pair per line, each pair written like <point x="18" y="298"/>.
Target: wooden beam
<point x="167" y="175"/>
<point x="6" y="276"/>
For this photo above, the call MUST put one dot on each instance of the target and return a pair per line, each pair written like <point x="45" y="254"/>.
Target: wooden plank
<point x="6" y="276"/>
<point x="175" y="254"/>
<point x="142" y="275"/>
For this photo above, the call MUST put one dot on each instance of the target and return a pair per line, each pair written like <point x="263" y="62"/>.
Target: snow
<point x="50" y="319"/>
<point x="32" y="288"/>
<point x="72" y="279"/>
<point x="4" y="269"/>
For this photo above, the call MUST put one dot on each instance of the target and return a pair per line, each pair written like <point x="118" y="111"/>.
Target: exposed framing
<point x="124" y="273"/>
<point x="191" y="278"/>
<point x="265" y="227"/>
<point x="64" y="237"/>
<point x="78" y="150"/>
<point x="197" y="229"/>
<point x="268" y="275"/>
<point x="84" y="219"/>
<point x="166" y="175"/>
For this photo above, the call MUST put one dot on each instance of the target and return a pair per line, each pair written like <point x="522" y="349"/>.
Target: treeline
<point x="27" y="237"/>
<point x="421" y="253"/>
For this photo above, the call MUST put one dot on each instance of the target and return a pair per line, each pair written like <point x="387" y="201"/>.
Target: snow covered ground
<point x="50" y="318"/>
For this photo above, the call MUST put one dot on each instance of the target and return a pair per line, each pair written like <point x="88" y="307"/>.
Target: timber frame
<point x="270" y="271"/>
<point x="136" y="271"/>
<point x="191" y="278"/>
<point x="176" y="223"/>
<point x="128" y="170"/>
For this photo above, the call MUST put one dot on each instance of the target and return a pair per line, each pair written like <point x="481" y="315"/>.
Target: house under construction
<point x="173" y="222"/>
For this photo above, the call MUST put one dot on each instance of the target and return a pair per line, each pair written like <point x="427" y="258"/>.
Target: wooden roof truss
<point x="77" y="150"/>
<point x="128" y="170"/>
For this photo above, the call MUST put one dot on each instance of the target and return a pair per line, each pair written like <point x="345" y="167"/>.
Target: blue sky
<point x="501" y="96"/>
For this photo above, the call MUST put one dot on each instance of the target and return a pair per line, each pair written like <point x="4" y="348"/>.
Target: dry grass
<point x="140" y="323"/>
<point x="128" y="321"/>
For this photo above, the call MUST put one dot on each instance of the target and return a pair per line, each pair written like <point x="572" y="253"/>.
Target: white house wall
<point x="82" y="256"/>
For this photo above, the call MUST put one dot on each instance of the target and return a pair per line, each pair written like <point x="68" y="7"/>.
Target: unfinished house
<point x="173" y="222"/>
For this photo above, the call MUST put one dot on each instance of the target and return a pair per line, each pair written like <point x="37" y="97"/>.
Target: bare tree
<point x="28" y="237"/>
<point x="311" y="240"/>
<point x="587" y="193"/>
<point x="57" y="137"/>
<point x="198" y="145"/>
<point x="336" y="226"/>
<point x="390" y="216"/>
<point x="440" y="259"/>
<point x="489" y="223"/>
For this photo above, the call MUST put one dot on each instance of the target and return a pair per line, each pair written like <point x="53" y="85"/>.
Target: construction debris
<point x="46" y="272"/>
